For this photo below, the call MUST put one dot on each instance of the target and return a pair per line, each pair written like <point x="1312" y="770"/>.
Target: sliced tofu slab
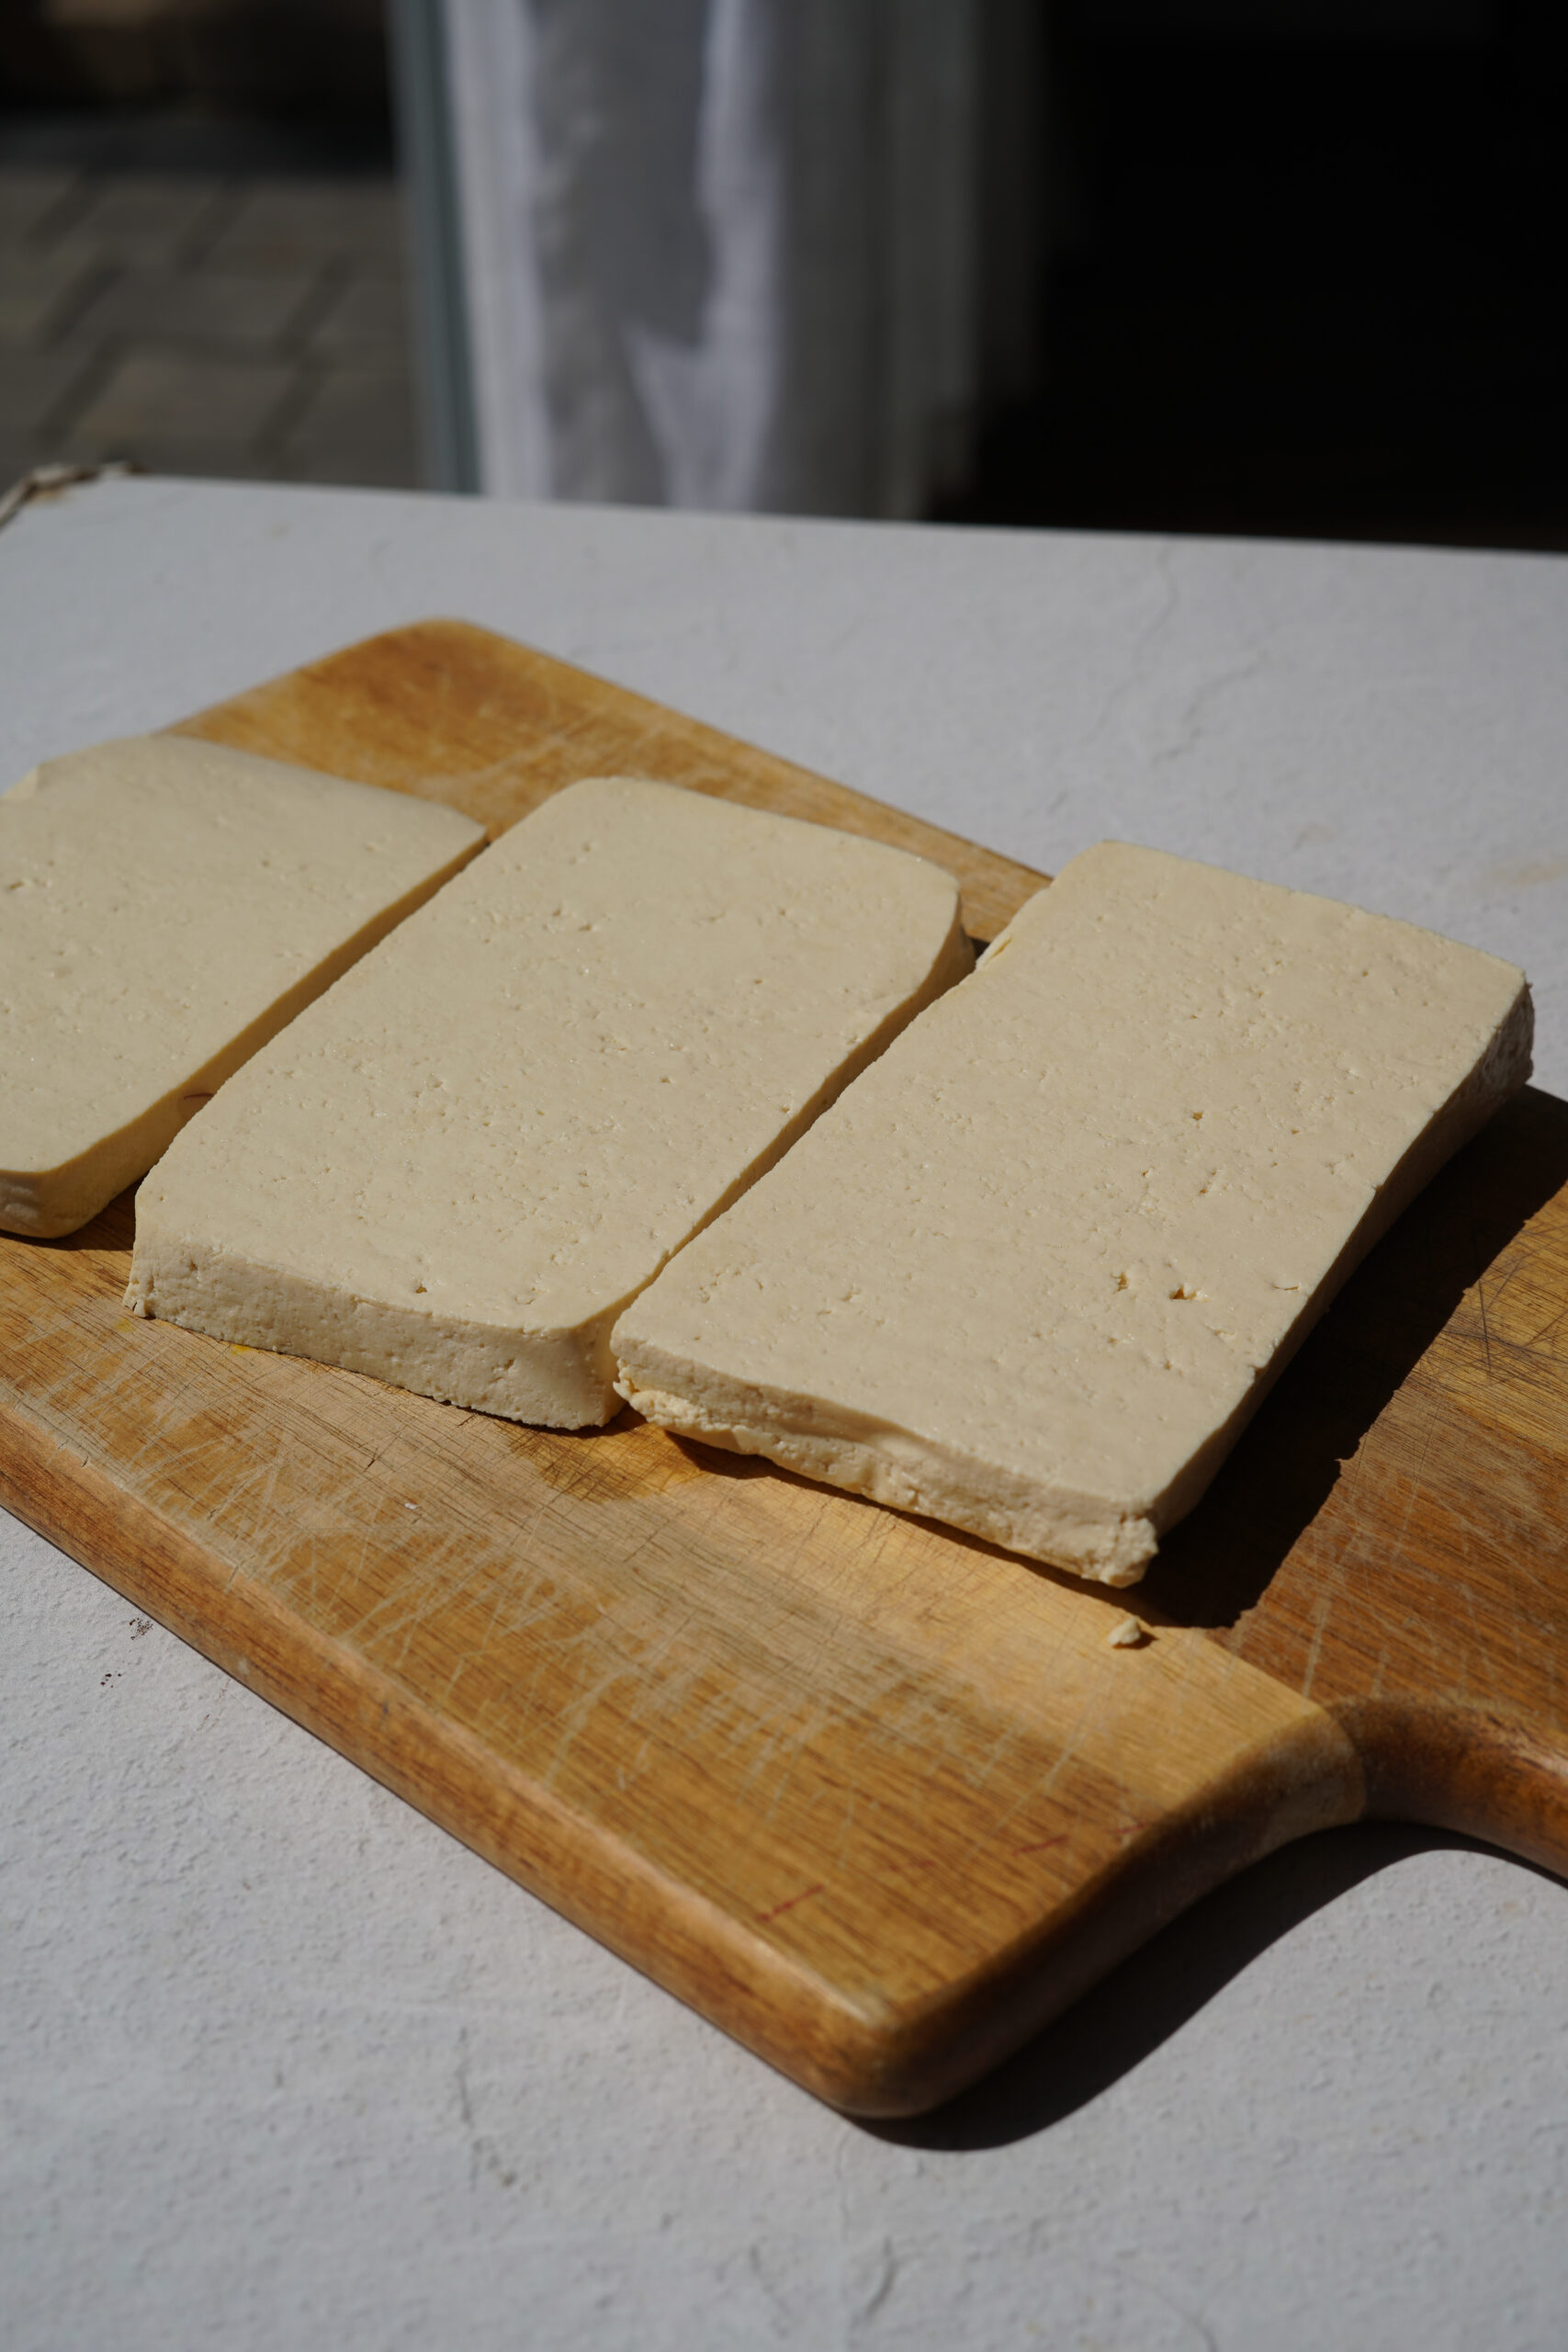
<point x="165" y="907"/>
<point x="457" y="1168"/>
<point x="1038" y="1266"/>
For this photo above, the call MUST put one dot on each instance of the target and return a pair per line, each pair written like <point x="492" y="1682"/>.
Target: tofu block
<point x="165" y="907"/>
<point x="457" y="1168"/>
<point x="1038" y="1266"/>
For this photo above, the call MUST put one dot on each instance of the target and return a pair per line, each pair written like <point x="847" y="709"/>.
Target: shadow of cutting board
<point x="875" y="1797"/>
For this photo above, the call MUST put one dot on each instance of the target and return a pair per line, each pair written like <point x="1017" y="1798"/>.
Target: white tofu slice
<point x="457" y="1168"/>
<point x="1038" y="1266"/>
<point x="165" y="907"/>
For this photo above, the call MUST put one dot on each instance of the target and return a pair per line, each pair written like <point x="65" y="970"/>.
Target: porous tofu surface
<point x="1038" y="1266"/>
<point x="166" y="905"/>
<point x="459" y="1165"/>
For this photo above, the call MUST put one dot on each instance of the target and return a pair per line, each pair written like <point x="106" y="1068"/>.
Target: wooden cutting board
<point x="876" y="1798"/>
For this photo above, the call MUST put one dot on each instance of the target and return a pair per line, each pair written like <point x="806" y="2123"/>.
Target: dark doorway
<point x="1306" y="275"/>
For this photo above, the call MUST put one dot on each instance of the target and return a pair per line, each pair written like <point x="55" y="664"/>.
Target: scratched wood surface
<point x="876" y="1798"/>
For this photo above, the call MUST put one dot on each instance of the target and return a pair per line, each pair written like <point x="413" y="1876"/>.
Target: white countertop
<point x="282" y="2065"/>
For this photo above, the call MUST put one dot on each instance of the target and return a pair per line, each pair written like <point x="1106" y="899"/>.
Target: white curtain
<point x="734" y="252"/>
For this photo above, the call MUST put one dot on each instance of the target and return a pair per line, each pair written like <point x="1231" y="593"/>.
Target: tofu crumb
<point x="1128" y="1634"/>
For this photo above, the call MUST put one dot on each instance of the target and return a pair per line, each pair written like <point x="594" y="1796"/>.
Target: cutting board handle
<point x="1463" y="1769"/>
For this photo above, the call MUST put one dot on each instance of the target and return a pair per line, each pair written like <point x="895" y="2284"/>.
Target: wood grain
<point x="1393" y="1540"/>
<point x="875" y="1797"/>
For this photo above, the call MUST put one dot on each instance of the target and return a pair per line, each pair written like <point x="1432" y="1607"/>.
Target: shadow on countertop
<point x="1140" y="2005"/>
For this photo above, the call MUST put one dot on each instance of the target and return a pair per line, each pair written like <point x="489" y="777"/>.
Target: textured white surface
<point x="281" y="2065"/>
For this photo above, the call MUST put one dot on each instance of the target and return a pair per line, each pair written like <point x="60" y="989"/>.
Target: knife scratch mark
<point x="1322" y="1610"/>
<point x="790" y="1901"/>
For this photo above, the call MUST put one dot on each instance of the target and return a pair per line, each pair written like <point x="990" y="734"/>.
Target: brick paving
<point x="252" y="327"/>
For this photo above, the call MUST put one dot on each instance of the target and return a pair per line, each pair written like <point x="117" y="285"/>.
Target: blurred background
<point x="1267" y="267"/>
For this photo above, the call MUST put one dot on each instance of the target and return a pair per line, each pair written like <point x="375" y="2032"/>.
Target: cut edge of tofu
<point x="545" y="1378"/>
<point x="1089" y="1535"/>
<point x="898" y="1467"/>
